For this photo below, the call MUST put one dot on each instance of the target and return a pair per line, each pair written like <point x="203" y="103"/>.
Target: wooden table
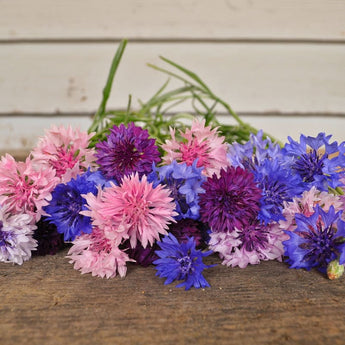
<point x="46" y="301"/>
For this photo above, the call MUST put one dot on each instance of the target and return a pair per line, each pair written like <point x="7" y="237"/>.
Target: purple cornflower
<point x="142" y="256"/>
<point x="316" y="160"/>
<point x="317" y="240"/>
<point x="127" y="150"/>
<point x="49" y="241"/>
<point x="67" y="201"/>
<point x="230" y="201"/>
<point x="184" y="183"/>
<point x="181" y="261"/>
<point x="278" y="185"/>
<point x="186" y="228"/>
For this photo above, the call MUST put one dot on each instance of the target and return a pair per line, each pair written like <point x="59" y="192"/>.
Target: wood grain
<point x="179" y="19"/>
<point x="45" y="301"/>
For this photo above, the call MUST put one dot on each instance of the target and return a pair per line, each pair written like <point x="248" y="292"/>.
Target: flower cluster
<point x="129" y="200"/>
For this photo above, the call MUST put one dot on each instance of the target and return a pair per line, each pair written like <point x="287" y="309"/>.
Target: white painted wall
<point x="280" y="64"/>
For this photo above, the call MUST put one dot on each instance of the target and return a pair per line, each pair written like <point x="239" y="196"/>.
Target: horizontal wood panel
<point x="69" y="78"/>
<point x="180" y="19"/>
<point x="19" y="134"/>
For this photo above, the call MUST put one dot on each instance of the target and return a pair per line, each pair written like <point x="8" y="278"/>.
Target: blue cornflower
<point x="181" y="261"/>
<point x="317" y="240"/>
<point x="253" y="152"/>
<point x="278" y="185"/>
<point x="67" y="202"/>
<point x="184" y="182"/>
<point x="316" y="160"/>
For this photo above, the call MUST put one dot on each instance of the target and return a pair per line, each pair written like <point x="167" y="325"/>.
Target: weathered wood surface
<point x="165" y="19"/>
<point x="261" y="78"/>
<point x="45" y="301"/>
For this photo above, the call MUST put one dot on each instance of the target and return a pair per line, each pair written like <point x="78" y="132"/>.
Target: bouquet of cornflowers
<point x="146" y="188"/>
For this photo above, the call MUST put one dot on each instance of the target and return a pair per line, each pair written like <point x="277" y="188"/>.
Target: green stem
<point x="100" y="114"/>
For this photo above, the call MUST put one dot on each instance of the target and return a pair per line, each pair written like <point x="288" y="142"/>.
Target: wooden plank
<point x="19" y="134"/>
<point x="179" y="19"/>
<point x="54" y="78"/>
<point x="45" y="301"/>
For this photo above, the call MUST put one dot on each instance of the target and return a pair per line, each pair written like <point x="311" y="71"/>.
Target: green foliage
<point x="158" y="114"/>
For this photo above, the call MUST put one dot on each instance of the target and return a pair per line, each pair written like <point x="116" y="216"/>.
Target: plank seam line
<point x="242" y="114"/>
<point x="14" y="41"/>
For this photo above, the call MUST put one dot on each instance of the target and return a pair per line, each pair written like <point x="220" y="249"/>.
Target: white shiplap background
<point x="280" y="64"/>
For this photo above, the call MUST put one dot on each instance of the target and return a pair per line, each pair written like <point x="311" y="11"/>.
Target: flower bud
<point x="335" y="270"/>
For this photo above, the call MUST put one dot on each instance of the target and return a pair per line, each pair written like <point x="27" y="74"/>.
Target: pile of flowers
<point x="129" y="200"/>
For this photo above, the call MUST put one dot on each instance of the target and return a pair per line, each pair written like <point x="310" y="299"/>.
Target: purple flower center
<point x="309" y="165"/>
<point x="126" y="155"/>
<point x="321" y="244"/>
<point x="253" y="238"/>
<point x="5" y="236"/>
<point x="186" y="265"/>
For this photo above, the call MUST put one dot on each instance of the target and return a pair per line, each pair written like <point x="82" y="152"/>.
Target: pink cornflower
<point x="24" y="189"/>
<point x="96" y="254"/>
<point x="250" y="245"/>
<point x="135" y="210"/>
<point x="306" y="205"/>
<point x="65" y="150"/>
<point x="200" y="142"/>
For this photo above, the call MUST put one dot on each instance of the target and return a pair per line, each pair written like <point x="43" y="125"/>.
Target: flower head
<point x="97" y="254"/>
<point x="67" y="203"/>
<point x="186" y="228"/>
<point x="181" y="261"/>
<point x="201" y="143"/>
<point x="278" y="185"/>
<point x="16" y="241"/>
<point x="316" y="160"/>
<point x="306" y="204"/>
<point x="317" y="240"/>
<point x="134" y="210"/>
<point x="249" y="245"/>
<point x="24" y="189"/>
<point x="65" y="150"/>
<point x="127" y="150"/>
<point x="142" y="256"/>
<point x="254" y="152"/>
<point x="184" y="183"/>
<point x="230" y="201"/>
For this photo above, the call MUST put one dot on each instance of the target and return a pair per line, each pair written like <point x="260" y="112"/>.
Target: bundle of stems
<point x="158" y="114"/>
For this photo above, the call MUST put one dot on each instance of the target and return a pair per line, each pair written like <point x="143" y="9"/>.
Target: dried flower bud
<point x="335" y="270"/>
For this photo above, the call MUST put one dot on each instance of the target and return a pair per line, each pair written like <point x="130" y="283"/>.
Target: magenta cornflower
<point x="65" y="150"/>
<point x="127" y="150"/>
<point x="134" y="210"/>
<point x="97" y="254"/>
<point x="201" y="143"/>
<point x="230" y="201"/>
<point x="24" y="189"/>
